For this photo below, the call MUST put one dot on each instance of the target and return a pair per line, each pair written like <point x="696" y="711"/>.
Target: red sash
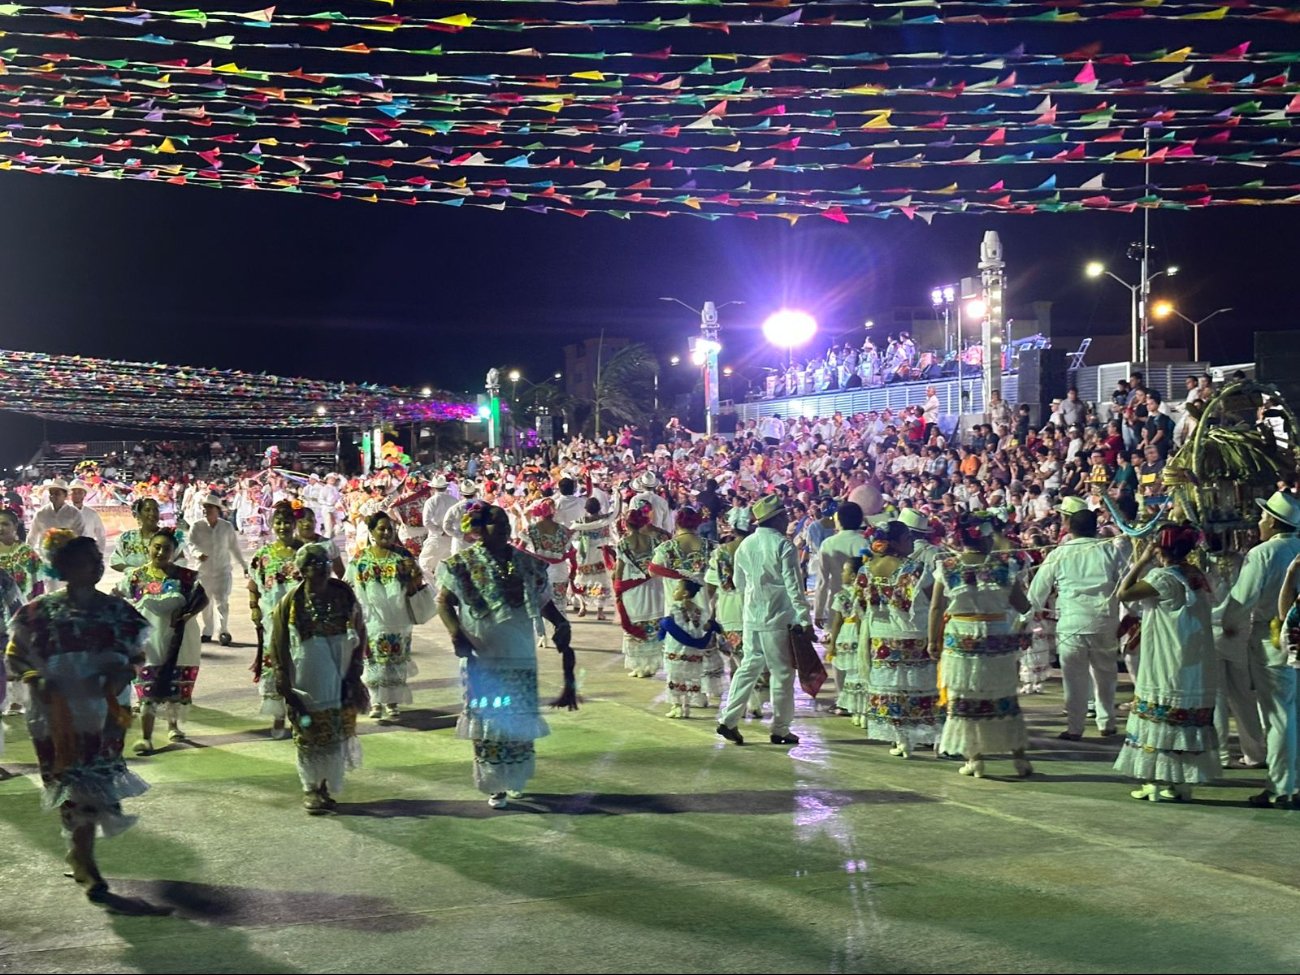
<point x="621" y="586"/>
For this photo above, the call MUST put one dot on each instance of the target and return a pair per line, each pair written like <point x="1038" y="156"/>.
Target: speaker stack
<point x="1043" y="378"/>
<point x="1277" y="361"/>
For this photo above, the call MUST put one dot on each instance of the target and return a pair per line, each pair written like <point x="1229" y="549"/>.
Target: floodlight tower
<point x="704" y="353"/>
<point x="993" y="276"/>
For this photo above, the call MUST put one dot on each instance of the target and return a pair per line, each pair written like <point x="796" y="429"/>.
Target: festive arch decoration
<point x="153" y="395"/>
<point x="701" y="108"/>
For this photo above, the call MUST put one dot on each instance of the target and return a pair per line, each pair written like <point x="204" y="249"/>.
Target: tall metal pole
<point x="600" y="349"/>
<point x="993" y="272"/>
<point x="493" y="386"/>
<point x="1144" y="300"/>
<point x="1135" y="353"/>
<point x="709" y="329"/>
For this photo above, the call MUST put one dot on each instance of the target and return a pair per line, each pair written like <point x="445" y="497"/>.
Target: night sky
<point x="381" y="293"/>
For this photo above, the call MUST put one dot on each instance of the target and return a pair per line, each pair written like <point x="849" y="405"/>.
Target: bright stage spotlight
<point x="789" y="327"/>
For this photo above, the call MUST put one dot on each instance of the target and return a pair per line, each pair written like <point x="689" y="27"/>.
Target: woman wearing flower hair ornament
<point x="489" y="594"/>
<point x="170" y="598"/>
<point x="77" y="651"/>
<point x="975" y="593"/>
<point x="1170" y="743"/>
<point x="638" y="597"/>
<point x="385" y="576"/>
<point x="548" y="540"/>
<point x="892" y="593"/>
<point x="271" y="574"/>
<point x="318" y="638"/>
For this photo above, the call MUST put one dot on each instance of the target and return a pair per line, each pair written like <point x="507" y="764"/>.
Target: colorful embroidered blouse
<point x="673" y="560"/>
<point x="24" y="566"/>
<point x="273" y="571"/>
<point x="551" y="544"/>
<point x="488" y="589"/>
<point x="47" y="628"/>
<point x="140" y="586"/>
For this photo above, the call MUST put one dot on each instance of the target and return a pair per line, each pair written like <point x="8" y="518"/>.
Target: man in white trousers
<point x="437" y="543"/>
<point x="213" y="545"/>
<point x="1082" y="571"/>
<point x="1250" y="607"/>
<point x="767" y="573"/>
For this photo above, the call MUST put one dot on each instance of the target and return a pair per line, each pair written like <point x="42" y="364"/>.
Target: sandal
<point x="176" y="735"/>
<point x="142" y="747"/>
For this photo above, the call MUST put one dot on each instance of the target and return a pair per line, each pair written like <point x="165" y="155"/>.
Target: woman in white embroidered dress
<point x="893" y="593"/>
<point x="489" y="594"/>
<point x="1170" y="743"/>
<point x="638" y="596"/>
<point x="975" y="593"/>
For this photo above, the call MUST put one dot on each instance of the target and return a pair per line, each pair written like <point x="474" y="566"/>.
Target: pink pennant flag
<point x="835" y="213"/>
<point x="1088" y="74"/>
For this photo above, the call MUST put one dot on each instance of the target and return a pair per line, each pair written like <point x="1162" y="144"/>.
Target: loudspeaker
<point x="1277" y="361"/>
<point x="1043" y="378"/>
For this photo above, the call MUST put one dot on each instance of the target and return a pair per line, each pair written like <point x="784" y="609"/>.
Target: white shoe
<point x="514" y="794"/>
<point x="675" y="712"/>
<point x="900" y="751"/>
<point x="974" y="768"/>
<point x="498" y="800"/>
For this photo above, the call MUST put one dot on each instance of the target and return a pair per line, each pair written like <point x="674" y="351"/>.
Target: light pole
<point x="1163" y="308"/>
<point x="1137" y="301"/>
<point x="943" y="297"/>
<point x="707" y="348"/>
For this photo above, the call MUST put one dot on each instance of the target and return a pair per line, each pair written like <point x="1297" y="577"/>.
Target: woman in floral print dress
<point x="271" y="574"/>
<point x="551" y="542"/>
<point x="638" y="597"/>
<point x="893" y="595"/>
<point x="132" y="548"/>
<point x="489" y="595"/>
<point x="77" y="651"/>
<point x="385" y="576"/>
<point x="167" y="596"/>
<point x="971" y="615"/>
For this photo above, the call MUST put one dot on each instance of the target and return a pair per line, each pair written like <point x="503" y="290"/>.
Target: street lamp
<point x="1163" y="309"/>
<point x="1137" y="302"/>
<point x="706" y="350"/>
<point x="943" y="297"/>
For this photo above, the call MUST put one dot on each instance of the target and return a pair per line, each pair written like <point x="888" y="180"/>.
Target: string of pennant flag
<point x="151" y="394"/>
<point x="790" y="120"/>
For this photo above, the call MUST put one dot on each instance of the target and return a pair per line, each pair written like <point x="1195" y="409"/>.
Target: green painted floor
<point x="647" y="845"/>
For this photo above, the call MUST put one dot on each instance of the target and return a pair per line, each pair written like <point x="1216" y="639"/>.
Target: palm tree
<point x="624" y="388"/>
